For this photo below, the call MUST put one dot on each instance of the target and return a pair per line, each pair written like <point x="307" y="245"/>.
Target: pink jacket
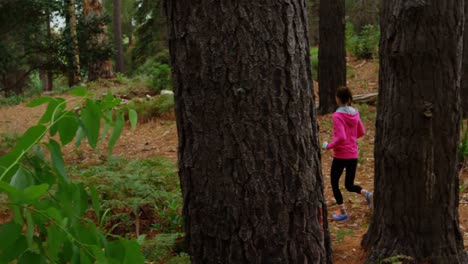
<point x="347" y="128"/>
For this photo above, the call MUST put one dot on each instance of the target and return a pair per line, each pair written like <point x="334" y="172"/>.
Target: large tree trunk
<point x="418" y="122"/>
<point x="464" y="83"/>
<point x="249" y="159"/>
<point x="73" y="57"/>
<point x="119" y="54"/>
<point x="97" y="68"/>
<point x="332" y="53"/>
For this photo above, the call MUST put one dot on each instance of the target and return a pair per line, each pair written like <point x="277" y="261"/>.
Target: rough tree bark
<point x="464" y="84"/>
<point x="249" y="159"/>
<point x="332" y="53"/>
<point x="99" y="68"/>
<point x="313" y="17"/>
<point x="119" y="54"/>
<point x="73" y="57"/>
<point x="418" y="122"/>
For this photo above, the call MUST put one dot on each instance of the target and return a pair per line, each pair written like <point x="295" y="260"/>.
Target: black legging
<point x="338" y="165"/>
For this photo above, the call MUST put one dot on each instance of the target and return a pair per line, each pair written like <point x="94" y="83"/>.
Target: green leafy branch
<point x="46" y="201"/>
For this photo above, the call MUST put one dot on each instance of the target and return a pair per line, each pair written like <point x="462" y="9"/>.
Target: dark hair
<point x="344" y="94"/>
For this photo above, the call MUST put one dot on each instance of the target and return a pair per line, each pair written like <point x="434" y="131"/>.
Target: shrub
<point x="314" y="61"/>
<point x="161" y="77"/>
<point x="153" y="107"/>
<point x="364" y="45"/>
<point x="12" y="100"/>
<point x="163" y="57"/>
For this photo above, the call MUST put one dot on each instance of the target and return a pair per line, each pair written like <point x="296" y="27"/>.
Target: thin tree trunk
<point x="119" y="56"/>
<point x="100" y="68"/>
<point x="249" y="158"/>
<point x="73" y="58"/>
<point x="332" y="53"/>
<point x="416" y="145"/>
<point x="48" y="75"/>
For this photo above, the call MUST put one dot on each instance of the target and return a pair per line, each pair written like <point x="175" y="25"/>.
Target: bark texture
<point x="464" y="84"/>
<point x="332" y="53"/>
<point x="98" y="68"/>
<point x="119" y="53"/>
<point x="418" y="122"/>
<point x="249" y="159"/>
<point x="73" y="57"/>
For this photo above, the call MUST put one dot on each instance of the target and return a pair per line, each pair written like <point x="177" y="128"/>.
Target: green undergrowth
<point x="153" y="107"/>
<point x="144" y="193"/>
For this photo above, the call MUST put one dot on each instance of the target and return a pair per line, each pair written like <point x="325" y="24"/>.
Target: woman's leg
<point x="351" y="166"/>
<point x="349" y="182"/>
<point x="337" y="168"/>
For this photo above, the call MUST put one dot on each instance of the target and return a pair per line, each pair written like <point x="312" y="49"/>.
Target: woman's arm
<point x="339" y="134"/>
<point x="361" y="131"/>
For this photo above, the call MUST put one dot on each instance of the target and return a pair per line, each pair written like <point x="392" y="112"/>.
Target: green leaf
<point x="80" y="134"/>
<point x="76" y="255"/>
<point x="12" y="231"/>
<point x="95" y="202"/>
<point x="32" y="193"/>
<point x="30" y="228"/>
<point x="115" y="250"/>
<point x="118" y="127"/>
<point x="22" y="179"/>
<point x="84" y="258"/>
<point x="55" y="127"/>
<point x="79" y="91"/>
<point x="10" y="190"/>
<point x="67" y="128"/>
<point x="107" y="124"/>
<point x="40" y="101"/>
<point x="54" y="109"/>
<point x="99" y="255"/>
<point x="91" y="121"/>
<point x="80" y="200"/>
<point x="110" y="101"/>
<point x="14" y="251"/>
<point x="8" y="166"/>
<point x="53" y="213"/>
<point x="133" y="253"/>
<point x="29" y="138"/>
<point x="57" y="159"/>
<point x="132" y="115"/>
<point x="55" y="237"/>
<point x="29" y="257"/>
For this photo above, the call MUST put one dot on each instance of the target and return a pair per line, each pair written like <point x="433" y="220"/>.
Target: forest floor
<point x="158" y="137"/>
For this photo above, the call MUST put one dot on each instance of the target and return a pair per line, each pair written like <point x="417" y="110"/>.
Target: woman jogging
<point x="347" y="128"/>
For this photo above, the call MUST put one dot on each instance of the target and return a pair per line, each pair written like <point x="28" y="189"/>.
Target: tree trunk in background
<point x="74" y="71"/>
<point x="416" y="145"/>
<point x="99" y="68"/>
<point x="48" y="85"/>
<point x="464" y="83"/>
<point x="249" y="158"/>
<point x="313" y="15"/>
<point x="332" y="53"/>
<point x="119" y="55"/>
